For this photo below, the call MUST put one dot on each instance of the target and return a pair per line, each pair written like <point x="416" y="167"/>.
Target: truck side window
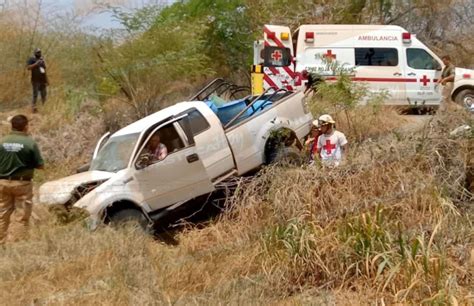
<point x="193" y="124"/>
<point x="376" y="57"/>
<point x="162" y="143"/>
<point x="420" y="59"/>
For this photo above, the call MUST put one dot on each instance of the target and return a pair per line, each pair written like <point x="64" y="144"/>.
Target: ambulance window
<point x="376" y="57"/>
<point x="420" y="59"/>
<point x="277" y="57"/>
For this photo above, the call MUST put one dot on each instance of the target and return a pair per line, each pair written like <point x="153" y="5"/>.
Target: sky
<point x="93" y="17"/>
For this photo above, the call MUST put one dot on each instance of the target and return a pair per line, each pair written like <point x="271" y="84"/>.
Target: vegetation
<point x="392" y="225"/>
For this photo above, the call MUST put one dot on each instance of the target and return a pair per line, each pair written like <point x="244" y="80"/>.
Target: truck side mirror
<point x="437" y="66"/>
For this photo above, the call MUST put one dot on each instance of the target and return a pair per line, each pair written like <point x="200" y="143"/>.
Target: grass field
<point x="394" y="225"/>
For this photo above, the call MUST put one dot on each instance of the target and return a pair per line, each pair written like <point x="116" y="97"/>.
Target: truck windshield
<point x="115" y="154"/>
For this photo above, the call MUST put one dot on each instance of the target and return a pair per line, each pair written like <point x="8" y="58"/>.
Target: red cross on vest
<point x="329" y="147"/>
<point x="276" y="55"/>
<point x="425" y="80"/>
<point x="329" y="55"/>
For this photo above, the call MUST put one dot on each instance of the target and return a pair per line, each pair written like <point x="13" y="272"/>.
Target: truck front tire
<point x="465" y="98"/>
<point x="129" y="216"/>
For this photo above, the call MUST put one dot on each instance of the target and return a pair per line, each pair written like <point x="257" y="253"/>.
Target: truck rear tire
<point x="129" y="216"/>
<point x="465" y="98"/>
<point x="287" y="156"/>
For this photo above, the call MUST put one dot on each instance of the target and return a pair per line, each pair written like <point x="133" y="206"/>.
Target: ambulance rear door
<point x="278" y="57"/>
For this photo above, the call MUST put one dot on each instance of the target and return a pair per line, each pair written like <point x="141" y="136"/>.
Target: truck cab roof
<point x="146" y="122"/>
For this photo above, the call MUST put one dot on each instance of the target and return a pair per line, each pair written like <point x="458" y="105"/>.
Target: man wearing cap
<point x="19" y="157"/>
<point x="39" y="79"/>
<point x="332" y="144"/>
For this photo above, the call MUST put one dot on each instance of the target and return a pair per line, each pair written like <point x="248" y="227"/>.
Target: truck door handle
<point x="192" y="158"/>
<point x="397" y="74"/>
<point x="411" y="74"/>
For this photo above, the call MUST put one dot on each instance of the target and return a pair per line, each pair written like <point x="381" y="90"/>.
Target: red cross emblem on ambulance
<point x="425" y="80"/>
<point x="329" y="55"/>
<point x="276" y="55"/>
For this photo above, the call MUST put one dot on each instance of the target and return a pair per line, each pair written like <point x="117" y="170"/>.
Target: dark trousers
<point x="41" y="89"/>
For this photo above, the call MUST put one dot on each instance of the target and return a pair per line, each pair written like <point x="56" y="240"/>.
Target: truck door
<point x="179" y="175"/>
<point x="382" y="70"/>
<point x="422" y="71"/>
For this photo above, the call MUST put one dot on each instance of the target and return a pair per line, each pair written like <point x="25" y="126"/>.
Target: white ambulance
<point x="386" y="57"/>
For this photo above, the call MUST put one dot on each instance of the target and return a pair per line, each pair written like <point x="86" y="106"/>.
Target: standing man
<point x="19" y="157"/>
<point x="447" y="80"/>
<point x="332" y="144"/>
<point x="39" y="79"/>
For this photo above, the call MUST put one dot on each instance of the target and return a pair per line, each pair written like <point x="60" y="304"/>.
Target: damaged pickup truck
<point x="205" y="143"/>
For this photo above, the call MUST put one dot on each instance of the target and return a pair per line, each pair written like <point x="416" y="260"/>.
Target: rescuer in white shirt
<point x="332" y="144"/>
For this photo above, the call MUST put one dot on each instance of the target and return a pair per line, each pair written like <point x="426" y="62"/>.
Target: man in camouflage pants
<point x="19" y="157"/>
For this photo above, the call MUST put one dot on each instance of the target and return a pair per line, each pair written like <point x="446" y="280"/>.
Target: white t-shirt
<point x="330" y="147"/>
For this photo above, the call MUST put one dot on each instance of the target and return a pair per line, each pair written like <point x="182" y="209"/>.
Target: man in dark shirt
<point x="19" y="157"/>
<point x="312" y="81"/>
<point x="39" y="79"/>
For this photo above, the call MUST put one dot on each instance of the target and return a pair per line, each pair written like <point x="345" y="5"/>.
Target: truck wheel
<point x="466" y="97"/>
<point x="287" y="156"/>
<point x="129" y="216"/>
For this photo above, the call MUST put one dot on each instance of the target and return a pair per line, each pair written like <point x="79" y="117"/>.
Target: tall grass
<point x="393" y="225"/>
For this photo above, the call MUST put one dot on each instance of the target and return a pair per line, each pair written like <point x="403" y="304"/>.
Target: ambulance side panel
<point x="375" y="55"/>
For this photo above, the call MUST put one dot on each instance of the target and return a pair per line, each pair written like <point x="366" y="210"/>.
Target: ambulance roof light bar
<point x="406" y="38"/>
<point x="309" y="37"/>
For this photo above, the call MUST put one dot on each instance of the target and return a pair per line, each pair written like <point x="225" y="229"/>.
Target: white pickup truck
<point x="206" y="142"/>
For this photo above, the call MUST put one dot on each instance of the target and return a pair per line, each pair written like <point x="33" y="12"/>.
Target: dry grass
<point x="393" y="225"/>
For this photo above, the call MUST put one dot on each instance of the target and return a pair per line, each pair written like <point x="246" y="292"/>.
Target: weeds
<point x="392" y="225"/>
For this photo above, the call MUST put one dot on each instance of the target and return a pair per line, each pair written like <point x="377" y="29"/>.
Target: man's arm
<point x="32" y="63"/>
<point x="38" y="158"/>
<point x="343" y="143"/>
<point x="448" y="79"/>
<point x="345" y="149"/>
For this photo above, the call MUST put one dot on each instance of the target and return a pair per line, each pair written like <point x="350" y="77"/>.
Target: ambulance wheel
<point x="465" y="97"/>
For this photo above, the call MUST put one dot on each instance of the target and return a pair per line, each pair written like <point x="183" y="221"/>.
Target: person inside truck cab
<point x="156" y="148"/>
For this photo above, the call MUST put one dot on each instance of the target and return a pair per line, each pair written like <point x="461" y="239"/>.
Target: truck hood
<point x="60" y="191"/>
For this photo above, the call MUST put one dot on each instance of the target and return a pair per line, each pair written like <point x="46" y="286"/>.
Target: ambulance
<point x="386" y="58"/>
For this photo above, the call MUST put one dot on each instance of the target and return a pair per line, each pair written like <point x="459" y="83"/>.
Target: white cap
<point x="316" y="123"/>
<point x="326" y="119"/>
